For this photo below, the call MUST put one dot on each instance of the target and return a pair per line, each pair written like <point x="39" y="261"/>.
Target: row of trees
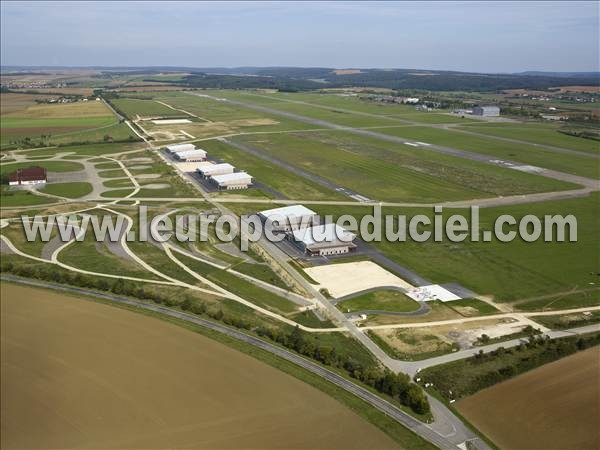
<point x="397" y="386"/>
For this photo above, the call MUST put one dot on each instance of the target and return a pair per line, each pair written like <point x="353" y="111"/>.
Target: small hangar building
<point x="215" y="169"/>
<point x="173" y="148"/>
<point x="27" y="176"/>
<point x="288" y="218"/>
<point x="235" y="180"/>
<point x="486" y="111"/>
<point x="195" y="155"/>
<point x="324" y="240"/>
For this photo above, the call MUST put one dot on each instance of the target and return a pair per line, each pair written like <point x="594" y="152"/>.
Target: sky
<point x="466" y="36"/>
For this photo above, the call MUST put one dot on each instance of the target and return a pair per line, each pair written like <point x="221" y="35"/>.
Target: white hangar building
<point x="179" y="147"/>
<point x="323" y="240"/>
<point x="235" y="180"/>
<point x="486" y="111"/>
<point x="215" y="169"/>
<point x="288" y="218"/>
<point x="195" y="155"/>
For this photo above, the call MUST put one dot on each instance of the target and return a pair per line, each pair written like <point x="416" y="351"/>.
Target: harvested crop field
<point x="80" y="374"/>
<point x="559" y="402"/>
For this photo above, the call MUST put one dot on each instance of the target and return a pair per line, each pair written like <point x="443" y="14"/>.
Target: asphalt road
<point x="377" y="402"/>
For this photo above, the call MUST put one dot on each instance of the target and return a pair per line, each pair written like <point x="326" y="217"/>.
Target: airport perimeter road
<point x="587" y="182"/>
<point x="377" y="402"/>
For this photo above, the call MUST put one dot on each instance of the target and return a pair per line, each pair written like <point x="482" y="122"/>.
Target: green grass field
<point x="384" y="300"/>
<point x="563" y="322"/>
<point x="468" y="305"/>
<point x="239" y="286"/>
<point x="538" y="133"/>
<point x="10" y="199"/>
<point x="106" y="165"/>
<point x="509" y="271"/>
<point x="226" y="115"/>
<point x="50" y="166"/>
<point x="16" y="234"/>
<point x="262" y="272"/>
<point x="158" y="259"/>
<point x="118" y="183"/>
<point x="525" y="154"/>
<point x="55" y="124"/>
<point x="96" y="149"/>
<point x="69" y="190"/>
<point x="112" y="173"/>
<point x="270" y="174"/>
<point x="390" y="114"/>
<point x="578" y="299"/>
<point x="133" y="107"/>
<point x="391" y="172"/>
<point x="344" y="110"/>
<point x="95" y="257"/>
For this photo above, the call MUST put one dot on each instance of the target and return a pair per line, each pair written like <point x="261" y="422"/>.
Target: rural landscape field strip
<point x="568" y="388"/>
<point x="358" y="151"/>
<point x="75" y="334"/>
<point x="34" y="124"/>
<point x="332" y="377"/>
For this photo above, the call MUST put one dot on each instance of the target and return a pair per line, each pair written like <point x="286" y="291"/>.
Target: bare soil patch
<point x="80" y="374"/>
<point x="559" y="404"/>
<point x="251" y="122"/>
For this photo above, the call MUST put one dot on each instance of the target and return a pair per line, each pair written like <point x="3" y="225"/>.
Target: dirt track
<point x="78" y="374"/>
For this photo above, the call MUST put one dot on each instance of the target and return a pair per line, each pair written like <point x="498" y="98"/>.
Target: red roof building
<point x="28" y="175"/>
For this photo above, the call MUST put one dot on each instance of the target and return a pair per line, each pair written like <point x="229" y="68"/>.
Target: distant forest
<point x="303" y="78"/>
<point x="298" y="79"/>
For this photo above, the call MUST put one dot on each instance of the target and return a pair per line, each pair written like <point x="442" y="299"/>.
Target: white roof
<point x="189" y="166"/>
<point x="170" y="121"/>
<point x="330" y="232"/>
<point x="288" y="211"/>
<point x="193" y="152"/>
<point x="180" y="147"/>
<point x="431" y="292"/>
<point x="217" y="168"/>
<point x="231" y="177"/>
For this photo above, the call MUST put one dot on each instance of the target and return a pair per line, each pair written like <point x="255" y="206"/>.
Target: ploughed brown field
<point x="556" y="406"/>
<point x="80" y="374"/>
